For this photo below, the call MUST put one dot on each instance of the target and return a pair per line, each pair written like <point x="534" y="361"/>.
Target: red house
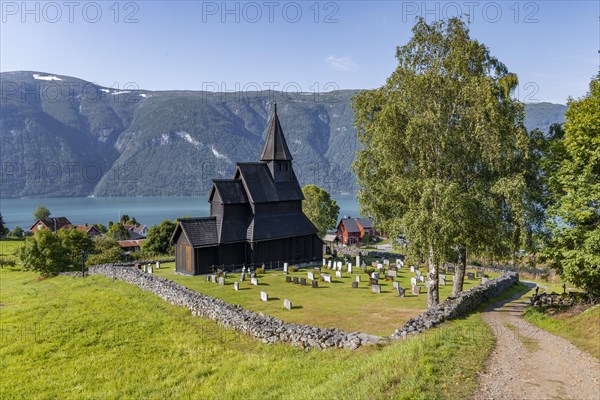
<point x="352" y="230"/>
<point x="52" y="224"/>
<point x="91" y="230"/>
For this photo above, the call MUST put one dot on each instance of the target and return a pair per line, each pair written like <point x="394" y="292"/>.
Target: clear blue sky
<point x="552" y="45"/>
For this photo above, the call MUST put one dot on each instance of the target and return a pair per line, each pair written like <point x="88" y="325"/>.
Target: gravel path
<point x="530" y="363"/>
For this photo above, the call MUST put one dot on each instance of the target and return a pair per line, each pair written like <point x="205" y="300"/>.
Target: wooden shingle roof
<point x="280" y="226"/>
<point x="275" y="147"/>
<point x="231" y="191"/>
<point x="262" y="188"/>
<point x="200" y="232"/>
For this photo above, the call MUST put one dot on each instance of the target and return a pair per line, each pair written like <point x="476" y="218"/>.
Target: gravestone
<point x="315" y="283"/>
<point x="416" y="289"/>
<point x="396" y="285"/>
<point x="450" y="269"/>
<point x="392" y="273"/>
<point x="326" y="278"/>
<point x="158" y="265"/>
<point x="419" y="273"/>
<point x="324" y="262"/>
<point x="374" y="264"/>
<point x="254" y="281"/>
<point x="400" y="291"/>
<point x="386" y="263"/>
<point x="338" y="274"/>
<point x="357" y="261"/>
<point x="412" y="268"/>
<point x="213" y="278"/>
<point x="354" y="285"/>
<point x="311" y="276"/>
<point x="470" y="276"/>
<point x="242" y="277"/>
<point x="302" y="281"/>
<point x="375" y="289"/>
<point x="145" y="268"/>
<point x="357" y="278"/>
<point x="443" y="280"/>
<point x="349" y="268"/>
<point x="413" y="281"/>
<point x="317" y="270"/>
<point x="236" y="286"/>
<point x="287" y="304"/>
<point x="478" y="274"/>
<point x="137" y="266"/>
<point x="288" y="279"/>
<point x="422" y="278"/>
<point x="221" y="281"/>
<point x="373" y="281"/>
<point x="339" y="265"/>
<point x="484" y="279"/>
<point x="207" y="278"/>
<point x="264" y="296"/>
<point x="398" y="261"/>
<point x="296" y="281"/>
<point x="285" y="268"/>
<point x="379" y="266"/>
<point x="329" y="264"/>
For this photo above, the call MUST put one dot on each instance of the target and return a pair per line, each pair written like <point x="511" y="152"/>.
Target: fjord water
<point x="146" y="210"/>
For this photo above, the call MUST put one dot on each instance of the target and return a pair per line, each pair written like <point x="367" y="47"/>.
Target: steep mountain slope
<point x="63" y="136"/>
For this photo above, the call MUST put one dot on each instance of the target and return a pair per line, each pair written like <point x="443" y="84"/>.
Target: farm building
<point x="255" y="218"/>
<point x="352" y="230"/>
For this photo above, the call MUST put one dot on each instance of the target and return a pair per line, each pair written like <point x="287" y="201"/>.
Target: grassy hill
<point x="63" y="136"/>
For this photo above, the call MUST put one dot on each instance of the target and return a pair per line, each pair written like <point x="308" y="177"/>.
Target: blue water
<point x="146" y="210"/>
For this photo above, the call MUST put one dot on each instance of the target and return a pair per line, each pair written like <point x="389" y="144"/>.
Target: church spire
<point x="275" y="148"/>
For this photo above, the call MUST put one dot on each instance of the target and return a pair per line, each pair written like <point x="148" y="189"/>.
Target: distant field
<point x="329" y="305"/>
<point x="95" y="338"/>
<point x="8" y="247"/>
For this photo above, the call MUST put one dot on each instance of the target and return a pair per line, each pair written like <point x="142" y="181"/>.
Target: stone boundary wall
<point x="464" y="303"/>
<point x="262" y="327"/>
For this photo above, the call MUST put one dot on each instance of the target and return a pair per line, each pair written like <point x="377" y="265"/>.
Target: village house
<point x="352" y="230"/>
<point x="136" y="231"/>
<point x="255" y="218"/>
<point x="91" y="230"/>
<point x="53" y="224"/>
<point x="131" y="246"/>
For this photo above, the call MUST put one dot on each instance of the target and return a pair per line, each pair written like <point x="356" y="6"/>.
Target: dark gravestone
<point x="450" y="270"/>
<point x="470" y="275"/>
<point x="354" y="285"/>
<point x="478" y="274"/>
<point x="207" y="278"/>
<point x="303" y="281"/>
<point x="373" y="281"/>
<point x="315" y="283"/>
<point x="400" y="291"/>
<point x="288" y="279"/>
<point x="296" y="280"/>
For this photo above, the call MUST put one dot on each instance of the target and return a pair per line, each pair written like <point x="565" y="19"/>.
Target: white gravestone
<point x="326" y="278"/>
<point x="422" y="278"/>
<point x="221" y="281"/>
<point x="392" y="273"/>
<point x="264" y="296"/>
<point x="339" y="265"/>
<point x="349" y="268"/>
<point x="150" y="269"/>
<point x="379" y="265"/>
<point x="398" y="261"/>
<point x="386" y="262"/>
<point x="285" y="268"/>
<point x="329" y="264"/>
<point x="236" y="286"/>
<point x="287" y="304"/>
<point x="357" y="278"/>
<point x="419" y="273"/>
<point x="324" y="262"/>
<point x="158" y="265"/>
<point x="145" y="268"/>
<point x="357" y="261"/>
<point x="338" y="274"/>
<point x="213" y="278"/>
<point x="413" y="281"/>
<point x="375" y="289"/>
<point x="396" y="285"/>
<point x="412" y="268"/>
<point x="311" y="276"/>
<point x="254" y="281"/>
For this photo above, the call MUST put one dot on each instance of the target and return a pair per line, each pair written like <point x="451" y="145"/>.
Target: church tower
<point x="275" y="152"/>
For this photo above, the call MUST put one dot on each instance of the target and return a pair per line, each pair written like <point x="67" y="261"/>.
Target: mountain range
<point x="66" y="137"/>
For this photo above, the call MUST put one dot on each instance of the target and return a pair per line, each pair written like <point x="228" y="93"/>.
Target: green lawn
<point x="95" y="338"/>
<point x="8" y="247"/>
<point x="330" y="305"/>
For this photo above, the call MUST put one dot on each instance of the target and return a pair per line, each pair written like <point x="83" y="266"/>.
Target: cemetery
<point x="325" y="300"/>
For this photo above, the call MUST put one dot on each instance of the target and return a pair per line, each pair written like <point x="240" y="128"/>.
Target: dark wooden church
<point x="255" y="218"/>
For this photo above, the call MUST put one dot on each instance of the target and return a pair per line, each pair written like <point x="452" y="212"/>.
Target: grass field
<point x="8" y="247"/>
<point x="95" y="338"/>
<point x="329" y="305"/>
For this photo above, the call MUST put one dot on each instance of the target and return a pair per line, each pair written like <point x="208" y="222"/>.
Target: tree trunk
<point x="461" y="268"/>
<point x="433" y="296"/>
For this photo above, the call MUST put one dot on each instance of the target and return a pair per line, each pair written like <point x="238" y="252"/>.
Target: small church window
<point x="279" y="165"/>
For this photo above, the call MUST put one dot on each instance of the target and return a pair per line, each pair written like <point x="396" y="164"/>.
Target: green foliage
<point x="101" y="228"/>
<point x="127" y="220"/>
<point x="17" y="232"/>
<point x="320" y="208"/>
<point x="75" y="242"/>
<point x="44" y="253"/>
<point x="41" y="212"/>
<point x="106" y="250"/>
<point x="118" y="232"/>
<point x="574" y="181"/>
<point x="3" y="228"/>
<point x="439" y="147"/>
<point x="158" y="240"/>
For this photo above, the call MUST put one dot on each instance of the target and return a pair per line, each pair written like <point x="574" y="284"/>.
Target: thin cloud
<point x="341" y="63"/>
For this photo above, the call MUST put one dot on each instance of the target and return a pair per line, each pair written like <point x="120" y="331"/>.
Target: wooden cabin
<point x="255" y="218"/>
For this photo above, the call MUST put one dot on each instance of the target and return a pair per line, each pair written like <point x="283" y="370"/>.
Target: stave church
<point x="255" y="218"/>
